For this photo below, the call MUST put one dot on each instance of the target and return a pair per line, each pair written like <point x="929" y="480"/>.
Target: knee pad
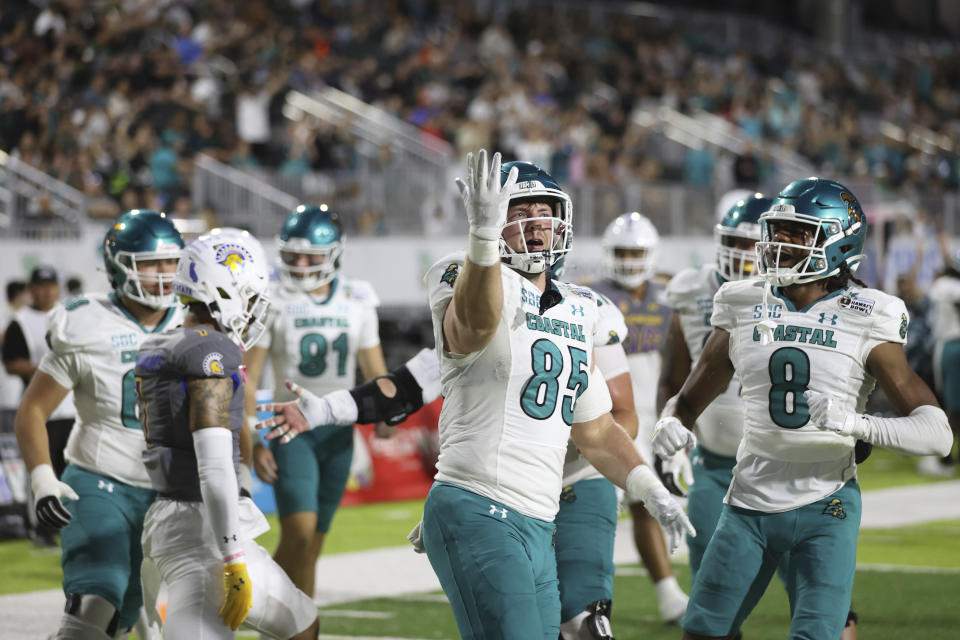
<point x="597" y="624"/>
<point x="373" y="405"/>
<point x="88" y="617"/>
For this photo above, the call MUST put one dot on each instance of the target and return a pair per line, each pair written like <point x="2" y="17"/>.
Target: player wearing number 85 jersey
<point x="321" y="326"/>
<point x="515" y="350"/>
<point x="808" y="347"/>
<point x="93" y="345"/>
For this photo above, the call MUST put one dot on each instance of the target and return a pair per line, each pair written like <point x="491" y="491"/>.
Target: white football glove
<point x="826" y="414"/>
<point x="674" y="469"/>
<point x="643" y="485"/>
<point x="47" y="497"/>
<point x="486" y="203"/>
<point x="670" y="436"/>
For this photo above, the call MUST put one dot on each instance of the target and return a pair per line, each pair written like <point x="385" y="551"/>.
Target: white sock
<point x="668" y="587"/>
<point x="570" y="630"/>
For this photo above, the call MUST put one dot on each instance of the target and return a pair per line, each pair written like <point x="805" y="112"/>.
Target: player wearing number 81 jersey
<point x="321" y="326"/>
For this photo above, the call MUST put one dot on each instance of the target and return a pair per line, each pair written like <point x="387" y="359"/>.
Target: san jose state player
<point x="515" y="353"/>
<point x="631" y="247"/>
<point x="104" y="493"/>
<point x="322" y="325"/>
<point x="200" y="530"/>
<point x="808" y="348"/>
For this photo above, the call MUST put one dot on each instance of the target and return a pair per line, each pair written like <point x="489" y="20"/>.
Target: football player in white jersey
<point x="808" y="347"/>
<point x="720" y="427"/>
<point x="515" y="351"/>
<point x="101" y="500"/>
<point x="321" y="326"/>
<point x="631" y="246"/>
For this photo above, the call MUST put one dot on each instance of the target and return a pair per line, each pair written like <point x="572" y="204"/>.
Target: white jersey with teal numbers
<point x="93" y="347"/>
<point x="508" y="408"/>
<point x="690" y="294"/>
<point x="785" y="462"/>
<point x="313" y="340"/>
<point x="610" y="329"/>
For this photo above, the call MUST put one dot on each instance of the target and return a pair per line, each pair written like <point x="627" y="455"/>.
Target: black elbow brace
<point x="374" y="406"/>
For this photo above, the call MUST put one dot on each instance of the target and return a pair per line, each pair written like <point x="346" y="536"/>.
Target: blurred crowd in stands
<point x="115" y="97"/>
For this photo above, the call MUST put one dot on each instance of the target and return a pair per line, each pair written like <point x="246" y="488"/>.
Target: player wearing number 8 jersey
<point x="808" y="348"/>
<point x="322" y="324"/>
<point x="515" y="351"/>
<point x="93" y="345"/>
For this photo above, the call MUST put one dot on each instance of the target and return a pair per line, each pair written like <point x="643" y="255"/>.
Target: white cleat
<point x="672" y="607"/>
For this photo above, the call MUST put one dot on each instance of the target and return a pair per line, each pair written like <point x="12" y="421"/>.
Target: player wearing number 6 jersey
<point x="808" y="348"/>
<point x="93" y="344"/>
<point x="515" y="351"/>
<point x="322" y="325"/>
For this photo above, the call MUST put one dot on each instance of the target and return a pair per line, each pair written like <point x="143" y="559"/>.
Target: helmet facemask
<point x="734" y="262"/>
<point x="542" y="239"/>
<point x="135" y="283"/>
<point x="822" y="243"/>
<point x="324" y="263"/>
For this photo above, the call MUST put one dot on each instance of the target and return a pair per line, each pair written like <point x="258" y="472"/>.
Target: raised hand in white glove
<point x="674" y="469"/>
<point x="48" y="493"/>
<point x="486" y="202"/>
<point x="670" y="436"/>
<point x="306" y="412"/>
<point x="826" y="414"/>
<point x="643" y="485"/>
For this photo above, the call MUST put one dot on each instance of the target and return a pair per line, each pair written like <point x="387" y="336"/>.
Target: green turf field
<point x="907" y="578"/>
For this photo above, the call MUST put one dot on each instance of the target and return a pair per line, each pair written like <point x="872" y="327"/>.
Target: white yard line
<point x="398" y="571"/>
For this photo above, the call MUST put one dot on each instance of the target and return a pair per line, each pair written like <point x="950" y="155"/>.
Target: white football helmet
<point x="630" y="231"/>
<point x="228" y="272"/>
<point x="535" y="184"/>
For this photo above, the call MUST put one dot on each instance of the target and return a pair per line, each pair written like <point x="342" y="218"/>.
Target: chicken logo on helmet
<point x="531" y="242"/>
<point x="814" y="229"/>
<point x="227" y="273"/>
<point x="136" y="241"/>
<point x="736" y="235"/>
<point x="310" y="243"/>
<point x="630" y="246"/>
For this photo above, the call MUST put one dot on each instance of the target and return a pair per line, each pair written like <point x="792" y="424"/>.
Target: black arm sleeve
<point x="374" y="406"/>
<point x="15" y="343"/>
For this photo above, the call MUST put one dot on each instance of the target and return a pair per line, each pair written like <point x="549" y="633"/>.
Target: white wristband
<point x="640" y="481"/>
<point x="343" y="407"/>
<point x="484" y="248"/>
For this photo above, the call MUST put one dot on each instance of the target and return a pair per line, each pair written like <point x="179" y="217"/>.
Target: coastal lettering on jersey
<point x="556" y="327"/>
<point x="301" y="323"/>
<point x="805" y="335"/>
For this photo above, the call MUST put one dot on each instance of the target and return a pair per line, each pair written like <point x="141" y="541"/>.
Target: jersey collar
<point x="160" y="325"/>
<point x="786" y="301"/>
<point x="333" y="289"/>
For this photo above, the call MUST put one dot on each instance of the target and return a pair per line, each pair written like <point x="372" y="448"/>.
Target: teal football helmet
<point x="741" y="222"/>
<point x="536" y="185"/>
<point x="137" y="237"/>
<point x="311" y="243"/>
<point x="815" y="229"/>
